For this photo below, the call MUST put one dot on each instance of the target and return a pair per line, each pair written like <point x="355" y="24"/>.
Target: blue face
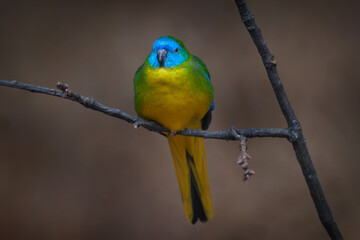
<point x="167" y="53"/>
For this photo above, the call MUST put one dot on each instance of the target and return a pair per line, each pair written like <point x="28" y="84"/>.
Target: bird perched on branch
<point x="173" y="88"/>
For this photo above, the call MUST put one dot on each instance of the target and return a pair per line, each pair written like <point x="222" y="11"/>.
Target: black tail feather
<point x="198" y="209"/>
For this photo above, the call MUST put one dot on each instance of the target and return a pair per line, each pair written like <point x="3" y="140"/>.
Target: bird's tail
<point x="189" y="158"/>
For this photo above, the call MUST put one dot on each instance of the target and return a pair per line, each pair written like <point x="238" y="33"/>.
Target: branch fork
<point x="293" y="133"/>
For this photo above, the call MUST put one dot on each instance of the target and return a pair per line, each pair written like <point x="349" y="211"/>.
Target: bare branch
<point x="231" y="134"/>
<point x="294" y="132"/>
<point x="299" y="143"/>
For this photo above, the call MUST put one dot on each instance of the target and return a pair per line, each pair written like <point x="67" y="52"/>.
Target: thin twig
<point x="299" y="143"/>
<point x="230" y="134"/>
<point x="294" y="133"/>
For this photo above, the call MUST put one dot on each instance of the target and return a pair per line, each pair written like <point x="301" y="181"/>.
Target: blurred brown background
<point x="67" y="172"/>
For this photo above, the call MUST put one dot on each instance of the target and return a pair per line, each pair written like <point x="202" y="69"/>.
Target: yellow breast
<point x="172" y="99"/>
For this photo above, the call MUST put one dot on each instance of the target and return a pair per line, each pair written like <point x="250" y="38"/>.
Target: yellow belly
<point x="173" y="101"/>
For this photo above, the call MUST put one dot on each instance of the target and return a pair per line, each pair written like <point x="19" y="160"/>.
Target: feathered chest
<point x="172" y="97"/>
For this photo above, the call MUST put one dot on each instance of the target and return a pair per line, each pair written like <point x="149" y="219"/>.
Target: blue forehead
<point x="166" y="43"/>
<point x="174" y="58"/>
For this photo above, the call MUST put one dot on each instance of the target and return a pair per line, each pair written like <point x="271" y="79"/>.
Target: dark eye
<point x="176" y="50"/>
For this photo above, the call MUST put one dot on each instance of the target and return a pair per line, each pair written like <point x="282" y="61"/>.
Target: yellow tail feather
<point x="189" y="158"/>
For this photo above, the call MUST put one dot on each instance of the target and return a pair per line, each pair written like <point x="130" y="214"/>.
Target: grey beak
<point x="161" y="56"/>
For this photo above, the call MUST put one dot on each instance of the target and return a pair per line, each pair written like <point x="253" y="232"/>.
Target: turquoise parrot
<point x="173" y="88"/>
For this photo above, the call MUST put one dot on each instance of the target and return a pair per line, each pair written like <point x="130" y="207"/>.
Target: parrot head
<point x="167" y="52"/>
